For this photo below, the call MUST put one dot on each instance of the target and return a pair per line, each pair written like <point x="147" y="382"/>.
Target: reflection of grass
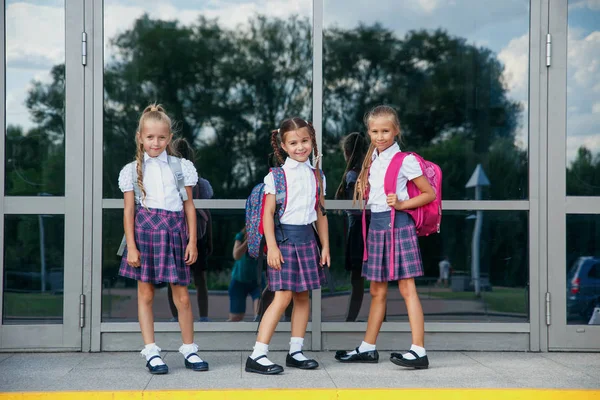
<point x="27" y="305"/>
<point x="33" y="305"/>
<point x="509" y="300"/>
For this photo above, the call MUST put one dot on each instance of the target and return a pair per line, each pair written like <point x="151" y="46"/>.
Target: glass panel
<point x="226" y="72"/>
<point x="583" y="269"/>
<point x="583" y="99"/>
<point x="459" y="84"/>
<point x="35" y="98"/>
<point x="503" y="272"/>
<point x="33" y="269"/>
<point x="119" y="299"/>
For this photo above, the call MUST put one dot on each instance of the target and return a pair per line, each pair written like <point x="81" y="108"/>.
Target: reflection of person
<point x="444" y="271"/>
<point x="355" y="147"/>
<point x="203" y="190"/>
<point x="383" y="127"/>
<point x="294" y="262"/>
<point x="244" y="280"/>
<point x="158" y="249"/>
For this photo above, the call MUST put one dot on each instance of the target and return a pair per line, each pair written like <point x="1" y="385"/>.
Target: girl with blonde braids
<point x="383" y="126"/>
<point x="294" y="263"/>
<point x="160" y="230"/>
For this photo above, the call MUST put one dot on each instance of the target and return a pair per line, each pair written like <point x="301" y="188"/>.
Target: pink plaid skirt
<point x="161" y="239"/>
<point x="408" y="255"/>
<point x="301" y="270"/>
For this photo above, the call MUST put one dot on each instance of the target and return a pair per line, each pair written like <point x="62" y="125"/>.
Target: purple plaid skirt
<point x="301" y="270"/>
<point x="407" y="252"/>
<point x="161" y="239"/>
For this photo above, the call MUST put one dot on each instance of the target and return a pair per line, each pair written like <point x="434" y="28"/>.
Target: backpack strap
<point x="175" y="165"/>
<point x="280" y="190"/>
<point x="390" y="183"/>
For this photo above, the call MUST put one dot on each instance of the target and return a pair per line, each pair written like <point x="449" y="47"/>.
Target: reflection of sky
<point x="35" y="39"/>
<point x="583" y="71"/>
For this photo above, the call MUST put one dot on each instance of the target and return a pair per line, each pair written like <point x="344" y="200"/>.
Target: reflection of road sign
<point x="477" y="180"/>
<point x="595" y="319"/>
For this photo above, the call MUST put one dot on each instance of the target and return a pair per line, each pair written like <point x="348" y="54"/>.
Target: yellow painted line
<point x="315" y="394"/>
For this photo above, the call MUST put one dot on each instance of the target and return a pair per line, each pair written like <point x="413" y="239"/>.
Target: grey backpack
<point x="175" y="166"/>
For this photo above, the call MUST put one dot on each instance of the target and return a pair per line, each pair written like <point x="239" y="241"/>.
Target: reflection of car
<point x="583" y="287"/>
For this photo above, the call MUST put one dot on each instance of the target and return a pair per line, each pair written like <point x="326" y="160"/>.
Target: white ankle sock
<point x="364" y="346"/>
<point x="151" y="350"/>
<point x="261" y="349"/>
<point x="296" y="344"/>
<point x="417" y="349"/>
<point x="187" y="349"/>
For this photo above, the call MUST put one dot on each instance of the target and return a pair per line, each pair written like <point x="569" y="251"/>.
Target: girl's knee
<point x="283" y="298"/>
<point x="407" y="287"/>
<point x="301" y="297"/>
<point x="378" y="292"/>
<point x="145" y="292"/>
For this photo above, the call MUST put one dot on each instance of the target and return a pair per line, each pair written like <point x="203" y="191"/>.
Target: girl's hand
<point x="191" y="253"/>
<point x="392" y="201"/>
<point x="133" y="258"/>
<point x="325" y="257"/>
<point x="274" y="258"/>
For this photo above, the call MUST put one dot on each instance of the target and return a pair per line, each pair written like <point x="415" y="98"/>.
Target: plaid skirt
<point x="301" y="270"/>
<point x="161" y="239"/>
<point x="407" y="253"/>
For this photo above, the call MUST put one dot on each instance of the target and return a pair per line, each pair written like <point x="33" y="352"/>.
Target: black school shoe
<point x="417" y="363"/>
<point x="256" y="367"/>
<point x="159" y="369"/>
<point x="369" y="357"/>
<point x="196" y="366"/>
<point x="290" y="361"/>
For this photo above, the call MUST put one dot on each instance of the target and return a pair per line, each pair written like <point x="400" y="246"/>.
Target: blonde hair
<point x="154" y="112"/>
<point x="277" y="137"/>
<point x="362" y="182"/>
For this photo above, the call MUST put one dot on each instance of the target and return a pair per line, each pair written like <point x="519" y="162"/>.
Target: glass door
<point x="573" y="301"/>
<point x="41" y="176"/>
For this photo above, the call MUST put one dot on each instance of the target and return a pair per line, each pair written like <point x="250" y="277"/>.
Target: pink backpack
<point x="428" y="218"/>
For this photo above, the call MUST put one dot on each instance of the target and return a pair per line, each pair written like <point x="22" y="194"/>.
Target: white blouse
<point x="159" y="183"/>
<point x="301" y="192"/>
<point x="409" y="170"/>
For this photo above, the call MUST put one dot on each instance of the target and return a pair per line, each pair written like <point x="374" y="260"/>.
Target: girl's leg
<point x="356" y="295"/>
<point x="300" y="316"/>
<point x="181" y="298"/>
<point x="266" y="328"/>
<point x="377" y="311"/>
<point x="273" y="315"/>
<point x="408" y="290"/>
<point x="145" y="315"/>
<point x="146" y="318"/>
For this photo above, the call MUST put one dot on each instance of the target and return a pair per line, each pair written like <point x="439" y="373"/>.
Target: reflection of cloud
<point x="583" y="96"/>
<point x="35" y="36"/>
<point x="515" y="58"/>
<point x="591" y="4"/>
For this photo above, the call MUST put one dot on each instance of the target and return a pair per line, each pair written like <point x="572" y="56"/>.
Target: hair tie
<point x="153" y="108"/>
<point x="318" y="158"/>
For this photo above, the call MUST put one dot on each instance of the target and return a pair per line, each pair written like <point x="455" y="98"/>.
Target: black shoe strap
<point x="414" y="354"/>
<point x="296" y="352"/>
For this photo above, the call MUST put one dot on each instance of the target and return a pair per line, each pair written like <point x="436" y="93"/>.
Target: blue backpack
<point x="255" y="208"/>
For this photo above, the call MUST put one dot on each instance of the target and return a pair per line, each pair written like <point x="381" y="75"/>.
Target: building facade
<point x="504" y="96"/>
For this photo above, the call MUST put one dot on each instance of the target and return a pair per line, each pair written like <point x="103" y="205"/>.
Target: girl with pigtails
<point x="293" y="258"/>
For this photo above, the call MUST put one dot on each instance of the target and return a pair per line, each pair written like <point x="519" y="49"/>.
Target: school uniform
<point x="408" y="262"/>
<point x="160" y="224"/>
<point x="295" y="235"/>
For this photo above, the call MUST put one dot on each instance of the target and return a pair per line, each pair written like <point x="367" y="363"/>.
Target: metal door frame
<point x="65" y="336"/>
<point x="560" y="335"/>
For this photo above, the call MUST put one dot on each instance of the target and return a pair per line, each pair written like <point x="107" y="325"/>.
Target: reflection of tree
<point x="583" y="176"/>
<point x="227" y="88"/>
